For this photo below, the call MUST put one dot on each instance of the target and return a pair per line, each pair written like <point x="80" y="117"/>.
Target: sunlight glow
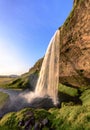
<point x="10" y="60"/>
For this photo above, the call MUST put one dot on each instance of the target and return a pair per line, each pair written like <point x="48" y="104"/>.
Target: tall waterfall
<point x="47" y="83"/>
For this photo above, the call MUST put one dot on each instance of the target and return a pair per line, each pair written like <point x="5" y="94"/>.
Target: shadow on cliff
<point x="67" y="99"/>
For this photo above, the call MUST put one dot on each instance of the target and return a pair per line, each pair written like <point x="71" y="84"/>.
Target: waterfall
<point x="47" y="84"/>
<point x="48" y="80"/>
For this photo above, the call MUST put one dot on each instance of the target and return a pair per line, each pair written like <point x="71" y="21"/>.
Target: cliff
<point x="75" y="46"/>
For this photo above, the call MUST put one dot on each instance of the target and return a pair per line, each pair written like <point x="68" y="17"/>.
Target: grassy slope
<point x="5" y="80"/>
<point x="72" y="118"/>
<point x="69" y="117"/>
<point x="11" y="120"/>
<point x="20" y="82"/>
<point x="3" y="99"/>
<point x="23" y="81"/>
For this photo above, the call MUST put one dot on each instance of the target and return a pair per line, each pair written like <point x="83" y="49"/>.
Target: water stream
<point x="49" y="75"/>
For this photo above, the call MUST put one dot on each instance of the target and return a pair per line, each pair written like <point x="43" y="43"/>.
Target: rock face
<point x="75" y="46"/>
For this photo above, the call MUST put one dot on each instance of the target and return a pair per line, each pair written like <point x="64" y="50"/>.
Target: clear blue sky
<point x="26" y="27"/>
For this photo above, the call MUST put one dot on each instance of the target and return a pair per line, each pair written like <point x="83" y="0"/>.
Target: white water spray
<point x="47" y="84"/>
<point x="49" y="75"/>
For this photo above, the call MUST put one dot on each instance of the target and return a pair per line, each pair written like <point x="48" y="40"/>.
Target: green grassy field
<point x="5" y="80"/>
<point x="70" y="116"/>
<point x="74" y="113"/>
<point x="3" y="99"/>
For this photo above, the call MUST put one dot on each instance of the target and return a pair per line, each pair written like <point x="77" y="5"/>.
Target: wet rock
<point x="37" y="126"/>
<point x="28" y="128"/>
<point x="27" y="123"/>
<point x="43" y="102"/>
<point x="21" y="123"/>
<point x="30" y="123"/>
<point x="30" y="113"/>
<point x="45" y="122"/>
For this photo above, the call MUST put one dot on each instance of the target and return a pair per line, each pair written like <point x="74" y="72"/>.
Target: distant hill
<point x="26" y="80"/>
<point x="8" y="76"/>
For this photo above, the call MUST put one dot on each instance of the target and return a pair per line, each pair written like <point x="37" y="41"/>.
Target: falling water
<point x="47" y="83"/>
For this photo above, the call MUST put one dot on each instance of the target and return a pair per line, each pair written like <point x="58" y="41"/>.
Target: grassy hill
<point x="26" y="80"/>
<point x="5" y="80"/>
<point x="72" y="115"/>
<point x="3" y="99"/>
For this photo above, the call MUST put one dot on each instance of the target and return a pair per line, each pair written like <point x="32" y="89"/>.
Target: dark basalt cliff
<point x="75" y="46"/>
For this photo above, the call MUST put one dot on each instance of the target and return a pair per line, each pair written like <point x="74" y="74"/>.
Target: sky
<point x="26" y="27"/>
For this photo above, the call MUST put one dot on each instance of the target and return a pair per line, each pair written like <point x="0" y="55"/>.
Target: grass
<point x="19" y="83"/>
<point x="68" y="117"/>
<point x="68" y="20"/>
<point x="23" y="81"/>
<point x="3" y="99"/>
<point x="16" y="83"/>
<point x="68" y="90"/>
<point x="85" y="97"/>
<point x="5" y="80"/>
<point x="11" y="120"/>
<point x="72" y="118"/>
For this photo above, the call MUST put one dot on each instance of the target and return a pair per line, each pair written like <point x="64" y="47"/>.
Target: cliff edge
<point x="75" y="46"/>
